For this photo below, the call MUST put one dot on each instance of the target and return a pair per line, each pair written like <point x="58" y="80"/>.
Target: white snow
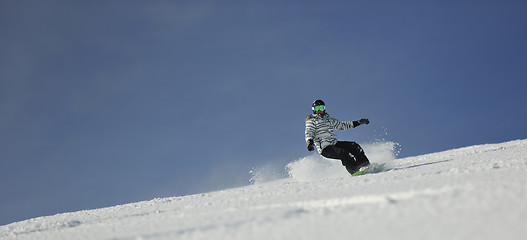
<point x="477" y="192"/>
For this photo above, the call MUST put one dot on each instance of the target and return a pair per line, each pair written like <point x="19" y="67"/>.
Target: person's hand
<point x="364" y="121"/>
<point x="310" y="145"/>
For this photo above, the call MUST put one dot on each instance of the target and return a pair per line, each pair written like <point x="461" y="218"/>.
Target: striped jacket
<point x="320" y="129"/>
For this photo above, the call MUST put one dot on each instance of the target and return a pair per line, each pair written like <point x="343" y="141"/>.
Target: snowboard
<point x="372" y="168"/>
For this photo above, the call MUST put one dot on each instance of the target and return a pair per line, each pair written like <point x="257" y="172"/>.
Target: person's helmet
<point x="317" y="104"/>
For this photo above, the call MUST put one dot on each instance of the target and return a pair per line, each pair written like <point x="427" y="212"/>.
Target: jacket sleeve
<point x="310" y="129"/>
<point x="338" y="125"/>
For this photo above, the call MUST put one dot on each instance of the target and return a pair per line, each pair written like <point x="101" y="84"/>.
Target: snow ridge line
<point x="306" y="206"/>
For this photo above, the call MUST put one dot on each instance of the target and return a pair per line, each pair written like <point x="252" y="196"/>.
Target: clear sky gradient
<point x="109" y="102"/>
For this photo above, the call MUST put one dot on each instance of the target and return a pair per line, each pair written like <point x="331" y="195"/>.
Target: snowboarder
<point x="319" y="134"/>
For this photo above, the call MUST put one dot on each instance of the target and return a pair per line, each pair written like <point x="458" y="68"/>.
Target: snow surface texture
<point x="477" y="192"/>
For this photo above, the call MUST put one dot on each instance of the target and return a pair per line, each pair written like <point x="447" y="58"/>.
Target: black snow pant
<point x="342" y="150"/>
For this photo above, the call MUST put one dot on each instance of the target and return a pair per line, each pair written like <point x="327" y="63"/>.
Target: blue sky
<point x="109" y="102"/>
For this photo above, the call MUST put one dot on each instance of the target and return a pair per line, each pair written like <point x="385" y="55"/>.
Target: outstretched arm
<point x="338" y="125"/>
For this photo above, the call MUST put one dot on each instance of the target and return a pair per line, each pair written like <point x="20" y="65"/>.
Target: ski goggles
<point x="319" y="108"/>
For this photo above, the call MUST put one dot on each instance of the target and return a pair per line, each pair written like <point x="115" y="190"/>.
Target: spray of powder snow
<point x="267" y="173"/>
<point x="316" y="167"/>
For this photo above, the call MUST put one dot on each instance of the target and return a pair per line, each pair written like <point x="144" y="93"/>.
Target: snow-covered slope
<point x="477" y="192"/>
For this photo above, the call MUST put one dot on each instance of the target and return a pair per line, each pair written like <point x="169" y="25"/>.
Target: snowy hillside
<point x="477" y="192"/>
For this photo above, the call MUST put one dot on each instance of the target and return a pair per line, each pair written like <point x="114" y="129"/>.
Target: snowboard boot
<point x="360" y="167"/>
<point x="351" y="169"/>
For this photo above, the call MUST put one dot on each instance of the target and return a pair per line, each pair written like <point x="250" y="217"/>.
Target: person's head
<point x="319" y="107"/>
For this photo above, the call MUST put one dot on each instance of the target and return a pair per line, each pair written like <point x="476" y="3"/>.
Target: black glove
<point x="364" y="121"/>
<point x="310" y="145"/>
<point x="359" y="122"/>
